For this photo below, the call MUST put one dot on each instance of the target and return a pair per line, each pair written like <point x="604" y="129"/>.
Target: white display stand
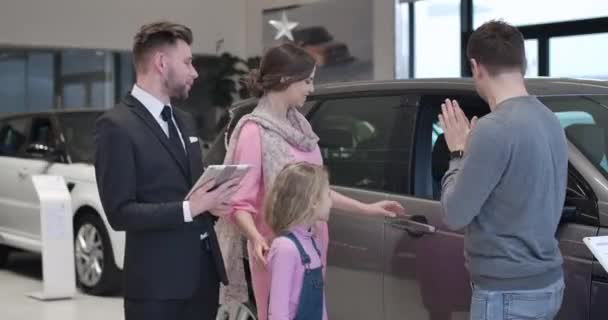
<point x="57" y="235"/>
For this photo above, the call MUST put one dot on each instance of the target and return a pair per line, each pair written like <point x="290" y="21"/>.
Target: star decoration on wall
<point x="283" y="27"/>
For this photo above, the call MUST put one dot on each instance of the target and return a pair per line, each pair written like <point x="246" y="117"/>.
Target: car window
<point x="584" y="119"/>
<point x="572" y="119"/>
<point x="585" y="122"/>
<point x="440" y="154"/>
<point x="366" y="142"/>
<point x="77" y="130"/>
<point x="12" y="136"/>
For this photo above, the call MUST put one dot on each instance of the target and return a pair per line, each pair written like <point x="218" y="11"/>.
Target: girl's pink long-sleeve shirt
<point x="287" y="272"/>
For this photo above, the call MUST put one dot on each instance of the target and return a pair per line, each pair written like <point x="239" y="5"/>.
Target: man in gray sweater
<point x="506" y="184"/>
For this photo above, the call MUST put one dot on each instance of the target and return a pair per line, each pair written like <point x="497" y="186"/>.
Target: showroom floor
<point x="23" y="275"/>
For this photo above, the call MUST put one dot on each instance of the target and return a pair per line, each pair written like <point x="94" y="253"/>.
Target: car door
<point x="585" y="122"/>
<point x="42" y="142"/>
<point x="366" y="146"/>
<point x="13" y="136"/>
<point x="425" y="273"/>
<point x="580" y="220"/>
<point x="440" y="274"/>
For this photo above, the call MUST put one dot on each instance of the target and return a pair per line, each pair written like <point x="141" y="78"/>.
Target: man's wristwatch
<point x="457" y="154"/>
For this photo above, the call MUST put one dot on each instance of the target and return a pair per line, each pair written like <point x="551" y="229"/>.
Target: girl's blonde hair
<point x="295" y="191"/>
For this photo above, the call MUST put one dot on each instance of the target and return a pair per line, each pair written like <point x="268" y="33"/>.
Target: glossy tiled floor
<point x="23" y="275"/>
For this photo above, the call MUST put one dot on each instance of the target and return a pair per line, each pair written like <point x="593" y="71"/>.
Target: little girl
<point x="299" y="197"/>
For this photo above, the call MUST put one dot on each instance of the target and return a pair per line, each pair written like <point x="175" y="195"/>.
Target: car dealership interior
<point x="93" y="225"/>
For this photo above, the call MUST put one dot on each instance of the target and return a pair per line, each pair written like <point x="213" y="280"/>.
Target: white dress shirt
<point x="155" y="107"/>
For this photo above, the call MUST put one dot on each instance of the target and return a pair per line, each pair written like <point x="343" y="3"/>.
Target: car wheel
<point x="96" y="271"/>
<point x="4" y="253"/>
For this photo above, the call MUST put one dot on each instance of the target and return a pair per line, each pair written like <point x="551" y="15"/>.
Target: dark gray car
<point x="381" y="140"/>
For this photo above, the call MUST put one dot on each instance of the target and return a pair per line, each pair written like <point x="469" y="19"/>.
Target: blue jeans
<point x="517" y="305"/>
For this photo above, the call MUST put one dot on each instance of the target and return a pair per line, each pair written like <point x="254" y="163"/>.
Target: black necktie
<point x="176" y="142"/>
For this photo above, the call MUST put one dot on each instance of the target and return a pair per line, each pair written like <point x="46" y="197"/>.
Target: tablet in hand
<point x="221" y="174"/>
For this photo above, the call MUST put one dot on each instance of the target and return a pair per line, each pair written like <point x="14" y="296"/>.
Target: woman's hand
<point x="385" y="208"/>
<point x="381" y="208"/>
<point x="258" y="244"/>
<point x="260" y="249"/>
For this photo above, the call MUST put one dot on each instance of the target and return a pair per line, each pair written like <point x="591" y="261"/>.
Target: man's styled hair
<point x="156" y="35"/>
<point x="498" y="46"/>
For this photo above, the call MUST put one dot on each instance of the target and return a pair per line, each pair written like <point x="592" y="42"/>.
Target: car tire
<point x="4" y="253"/>
<point x="96" y="270"/>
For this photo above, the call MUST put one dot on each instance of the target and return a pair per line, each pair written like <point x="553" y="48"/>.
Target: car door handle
<point x="415" y="226"/>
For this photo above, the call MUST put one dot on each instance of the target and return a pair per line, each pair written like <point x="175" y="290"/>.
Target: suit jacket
<point x="142" y="185"/>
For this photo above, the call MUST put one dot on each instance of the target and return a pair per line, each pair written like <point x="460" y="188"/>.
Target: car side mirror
<point x="38" y="150"/>
<point x="42" y="151"/>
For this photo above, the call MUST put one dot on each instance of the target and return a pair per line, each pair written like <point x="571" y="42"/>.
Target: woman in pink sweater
<point x="273" y="135"/>
<point x="299" y="197"/>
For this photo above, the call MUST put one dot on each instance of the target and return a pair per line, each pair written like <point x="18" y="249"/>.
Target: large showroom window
<point x="437" y="38"/>
<point x="524" y="12"/>
<point x="588" y="62"/>
<point x="12" y="81"/>
<point x="34" y="80"/>
<point x="26" y="80"/>
<point x="531" y="46"/>
<point x="431" y="35"/>
<point x="568" y="39"/>
<point x="40" y="81"/>
<point x="87" y="79"/>
<point x="402" y="40"/>
<point x="126" y="73"/>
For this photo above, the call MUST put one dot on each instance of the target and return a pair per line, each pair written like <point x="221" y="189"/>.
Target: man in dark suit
<point x="147" y="159"/>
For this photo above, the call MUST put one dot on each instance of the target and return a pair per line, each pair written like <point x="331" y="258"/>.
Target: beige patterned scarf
<point x="278" y="136"/>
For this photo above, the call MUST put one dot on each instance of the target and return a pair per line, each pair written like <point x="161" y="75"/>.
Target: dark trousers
<point x="202" y="305"/>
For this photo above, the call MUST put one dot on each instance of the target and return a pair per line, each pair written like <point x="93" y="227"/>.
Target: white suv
<point x="58" y="143"/>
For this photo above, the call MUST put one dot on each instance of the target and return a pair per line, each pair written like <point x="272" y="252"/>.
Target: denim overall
<point x="310" y="306"/>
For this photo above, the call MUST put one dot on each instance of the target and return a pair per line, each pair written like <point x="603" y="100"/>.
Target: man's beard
<point x="175" y="89"/>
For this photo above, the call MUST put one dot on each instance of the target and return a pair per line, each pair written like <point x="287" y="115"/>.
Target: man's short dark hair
<point x="156" y="35"/>
<point x="498" y="46"/>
